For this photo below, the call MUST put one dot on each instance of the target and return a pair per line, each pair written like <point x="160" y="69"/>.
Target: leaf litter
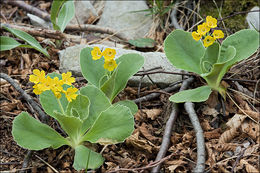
<point x="232" y="142"/>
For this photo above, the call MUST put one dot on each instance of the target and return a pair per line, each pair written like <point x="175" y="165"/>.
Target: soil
<point x="226" y="151"/>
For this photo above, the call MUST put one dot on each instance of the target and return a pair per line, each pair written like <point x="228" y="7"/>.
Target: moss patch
<point x="229" y="7"/>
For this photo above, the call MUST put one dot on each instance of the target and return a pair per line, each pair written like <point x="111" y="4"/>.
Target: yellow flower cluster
<point x="108" y="54"/>
<point x="55" y="85"/>
<point x="204" y="28"/>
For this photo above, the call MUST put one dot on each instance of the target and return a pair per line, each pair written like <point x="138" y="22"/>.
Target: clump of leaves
<point x="8" y="43"/>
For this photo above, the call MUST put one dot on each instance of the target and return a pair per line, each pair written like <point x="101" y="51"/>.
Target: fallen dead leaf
<point x="152" y="113"/>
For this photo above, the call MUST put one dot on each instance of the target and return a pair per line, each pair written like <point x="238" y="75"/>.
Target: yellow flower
<point x="96" y="53"/>
<point x="37" y="76"/>
<point x="38" y="88"/>
<point x="218" y="34"/>
<point x="56" y="86"/>
<point x="67" y="79"/>
<point x="196" y="36"/>
<point x="71" y="93"/>
<point x="208" y="41"/>
<point x="211" y="22"/>
<point x="203" y="29"/>
<point x="109" y="53"/>
<point x="110" y="64"/>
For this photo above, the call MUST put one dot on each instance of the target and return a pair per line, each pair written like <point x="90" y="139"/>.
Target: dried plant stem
<point x="168" y="128"/>
<point x="30" y="9"/>
<point x="28" y="98"/>
<point x="200" y="164"/>
<point x="43" y="116"/>
<point x="157" y="94"/>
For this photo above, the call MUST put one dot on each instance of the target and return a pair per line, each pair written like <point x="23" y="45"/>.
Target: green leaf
<point x="143" y="42"/>
<point x="86" y="158"/>
<point x="50" y="103"/>
<point x="183" y="51"/>
<point x="28" y="38"/>
<point x="210" y="57"/>
<point x="128" y="65"/>
<point x="34" y="135"/>
<point x="92" y="70"/>
<point x="199" y="94"/>
<point x="98" y="103"/>
<point x="81" y="105"/>
<point x="55" y="8"/>
<point x="130" y="104"/>
<point x="214" y="77"/>
<point x="66" y="14"/>
<point x="113" y="125"/>
<point x="71" y="125"/>
<point x="246" y="42"/>
<point x="7" y="43"/>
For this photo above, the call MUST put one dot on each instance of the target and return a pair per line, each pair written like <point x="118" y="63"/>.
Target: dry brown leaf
<point x="205" y="125"/>
<point x="206" y="110"/>
<point x="175" y="138"/>
<point x="146" y="133"/>
<point x="27" y="60"/>
<point x="253" y="149"/>
<point x="236" y="121"/>
<point x="134" y="141"/>
<point x="249" y="167"/>
<point x="214" y="134"/>
<point x="44" y="5"/>
<point x="228" y="135"/>
<point x="226" y="147"/>
<point x="250" y="128"/>
<point x="253" y="114"/>
<point x="152" y="113"/>
<point x="211" y="161"/>
<point x="212" y="100"/>
<point x="139" y="116"/>
<point x="176" y="165"/>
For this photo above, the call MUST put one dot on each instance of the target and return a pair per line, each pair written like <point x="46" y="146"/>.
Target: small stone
<point x="121" y="16"/>
<point x="83" y="11"/>
<point x="253" y="18"/>
<point x="70" y="57"/>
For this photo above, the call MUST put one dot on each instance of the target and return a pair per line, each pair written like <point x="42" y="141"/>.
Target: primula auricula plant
<point x="208" y="58"/>
<point x="86" y="115"/>
<point x="108" y="74"/>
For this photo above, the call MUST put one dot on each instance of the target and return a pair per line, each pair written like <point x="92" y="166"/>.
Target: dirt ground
<point x="228" y="150"/>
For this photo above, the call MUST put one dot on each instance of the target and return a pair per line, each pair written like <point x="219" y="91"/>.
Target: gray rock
<point x="120" y="16"/>
<point x="69" y="61"/>
<point x="83" y="10"/>
<point x="253" y="18"/>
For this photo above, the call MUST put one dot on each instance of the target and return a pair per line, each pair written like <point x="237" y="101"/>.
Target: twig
<point x="237" y="13"/>
<point x="26" y="160"/>
<point x="168" y="128"/>
<point x="31" y="9"/>
<point x="237" y="159"/>
<point x="200" y="164"/>
<point x="166" y="72"/>
<point x="35" y="31"/>
<point x="47" y="164"/>
<point x="174" y="17"/>
<point x="28" y="98"/>
<point x="155" y="95"/>
<point x="153" y="164"/>
<point x="95" y="28"/>
<point x="222" y="104"/>
<point x="241" y="109"/>
<point x="141" y="73"/>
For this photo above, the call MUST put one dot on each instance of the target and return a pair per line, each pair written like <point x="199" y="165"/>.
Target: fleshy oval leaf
<point x="199" y="94"/>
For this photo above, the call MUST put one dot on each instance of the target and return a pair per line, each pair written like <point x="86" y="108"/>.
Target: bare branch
<point x="200" y="164"/>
